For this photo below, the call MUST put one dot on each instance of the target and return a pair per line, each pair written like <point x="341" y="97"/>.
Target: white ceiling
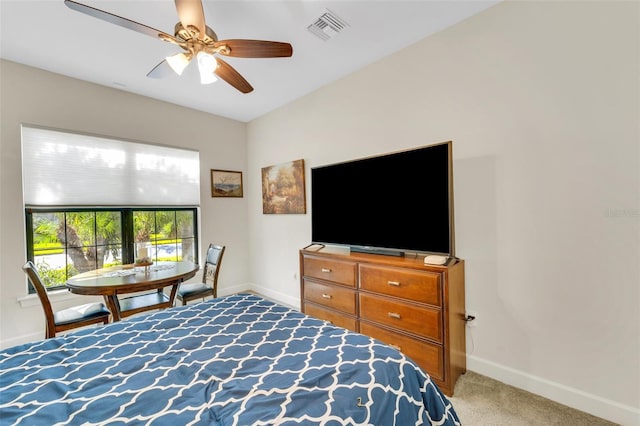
<point x="47" y="34"/>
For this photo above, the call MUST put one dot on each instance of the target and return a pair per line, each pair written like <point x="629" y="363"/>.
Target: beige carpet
<point x="481" y="401"/>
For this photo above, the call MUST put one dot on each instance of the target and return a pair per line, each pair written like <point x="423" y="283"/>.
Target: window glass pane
<point x="48" y="250"/>
<point x="80" y="229"/>
<point x="165" y="225"/>
<point x="186" y="223"/>
<point x="52" y="274"/>
<point x="45" y="234"/>
<point x="143" y="225"/>
<point x="187" y="250"/>
<point x="109" y="227"/>
<point x="80" y="238"/>
<point x="108" y="238"/>
<point x="113" y="256"/>
<point x="167" y="251"/>
<point x="166" y="236"/>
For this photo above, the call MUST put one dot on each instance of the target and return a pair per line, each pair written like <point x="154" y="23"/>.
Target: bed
<point x="235" y="360"/>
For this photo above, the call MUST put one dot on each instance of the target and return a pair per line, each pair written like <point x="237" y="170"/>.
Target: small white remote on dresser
<point x="434" y="259"/>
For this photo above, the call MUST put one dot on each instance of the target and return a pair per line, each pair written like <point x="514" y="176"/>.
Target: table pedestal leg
<point x="174" y="291"/>
<point x="114" y="306"/>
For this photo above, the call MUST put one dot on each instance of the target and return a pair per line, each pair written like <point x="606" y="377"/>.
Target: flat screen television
<point x="392" y="204"/>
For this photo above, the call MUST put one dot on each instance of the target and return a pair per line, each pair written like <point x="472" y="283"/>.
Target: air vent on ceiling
<point x="327" y="25"/>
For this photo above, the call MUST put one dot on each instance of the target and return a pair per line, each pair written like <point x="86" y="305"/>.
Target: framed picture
<point x="283" y="189"/>
<point x="226" y="183"/>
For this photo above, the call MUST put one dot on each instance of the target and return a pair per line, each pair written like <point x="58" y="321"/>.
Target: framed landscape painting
<point x="283" y="189"/>
<point x="226" y="183"/>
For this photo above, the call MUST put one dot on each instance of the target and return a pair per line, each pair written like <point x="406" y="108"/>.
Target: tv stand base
<point x="373" y="250"/>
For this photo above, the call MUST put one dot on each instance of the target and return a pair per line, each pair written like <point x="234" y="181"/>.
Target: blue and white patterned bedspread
<point x="236" y="360"/>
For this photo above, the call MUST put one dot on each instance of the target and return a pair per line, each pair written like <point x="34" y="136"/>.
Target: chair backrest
<point x="34" y="278"/>
<point x="212" y="266"/>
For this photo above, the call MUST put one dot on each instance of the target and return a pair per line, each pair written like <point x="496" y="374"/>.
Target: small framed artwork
<point x="226" y="183"/>
<point x="283" y="188"/>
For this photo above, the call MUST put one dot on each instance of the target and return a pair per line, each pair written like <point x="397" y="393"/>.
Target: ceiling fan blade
<point x="191" y="14"/>
<point x="255" y="48"/>
<point x="231" y="76"/>
<point x="161" y="70"/>
<point x="118" y="20"/>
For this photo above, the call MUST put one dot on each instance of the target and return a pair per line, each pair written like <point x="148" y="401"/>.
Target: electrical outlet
<point x="471" y="319"/>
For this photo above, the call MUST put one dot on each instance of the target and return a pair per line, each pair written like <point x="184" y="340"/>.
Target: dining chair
<point x="66" y="319"/>
<point x="209" y="284"/>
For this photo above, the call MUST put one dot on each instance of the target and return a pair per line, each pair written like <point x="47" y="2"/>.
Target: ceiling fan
<point x="198" y="41"/>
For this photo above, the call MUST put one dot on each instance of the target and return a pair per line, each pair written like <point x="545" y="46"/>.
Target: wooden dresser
<point x="414" y="307"/>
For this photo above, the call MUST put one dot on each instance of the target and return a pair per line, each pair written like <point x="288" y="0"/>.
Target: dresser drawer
<point x="334" y="317"/>
<point x="332" y="296"/>
<point x="330" y="270"/>
<point x="415" y="319"/>
<point x="427" y="355"/>
<point x="420" y="286"/>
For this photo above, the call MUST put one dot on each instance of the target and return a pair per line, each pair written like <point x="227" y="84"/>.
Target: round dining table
<point x="112" y="282"/>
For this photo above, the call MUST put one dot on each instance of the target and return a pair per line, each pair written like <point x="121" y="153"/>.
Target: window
<point x="93" y="202"/>
<point x="65" y="242"/>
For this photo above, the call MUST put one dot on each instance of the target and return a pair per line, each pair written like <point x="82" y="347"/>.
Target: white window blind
<point x="71" y="169"/>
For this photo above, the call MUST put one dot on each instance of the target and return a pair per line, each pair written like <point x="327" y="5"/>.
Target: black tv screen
<point x="390" y="204"/>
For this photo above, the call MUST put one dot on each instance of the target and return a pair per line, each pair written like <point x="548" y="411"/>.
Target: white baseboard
<point x="268" y="293"/>
<point x="21" y="340"/>
<point x="600" y="407"/>
<point x="226" y="291"/>
<point x="276" y="296"/>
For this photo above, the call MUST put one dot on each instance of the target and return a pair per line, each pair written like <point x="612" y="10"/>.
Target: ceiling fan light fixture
<point x="196" y="39"/>
<point x="208" y="78"/>
<point x="179" y="62"/>
<point x="207" y="64"/>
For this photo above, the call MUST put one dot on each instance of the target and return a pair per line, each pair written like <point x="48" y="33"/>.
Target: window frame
<point x="128" y="242"/>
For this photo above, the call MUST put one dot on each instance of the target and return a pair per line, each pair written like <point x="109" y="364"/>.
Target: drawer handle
<point x="394" y="283"/>
<point x="326" y="296"/>
<point x="327" y="270"/>
<point x="394" y="315"/>
<point x="398" y="348"/>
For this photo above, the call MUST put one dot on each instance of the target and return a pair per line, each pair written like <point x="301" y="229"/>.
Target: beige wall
<point x="541" y="100"/>
<point x="36" y="97"/>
